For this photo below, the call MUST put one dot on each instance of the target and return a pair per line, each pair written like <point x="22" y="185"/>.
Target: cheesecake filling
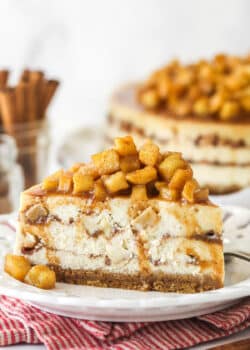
<point x="200" y="140"/>
<point x="122" y="236"/>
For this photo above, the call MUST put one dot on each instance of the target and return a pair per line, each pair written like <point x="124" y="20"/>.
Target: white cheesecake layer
<point x="222" y="178"/>
<point x="123" y="236"/>
<point x="173" y="255"/>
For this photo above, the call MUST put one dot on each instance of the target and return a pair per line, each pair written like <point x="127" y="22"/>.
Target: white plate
<point x="241" y="198"/>
<point x="121" y="305"/>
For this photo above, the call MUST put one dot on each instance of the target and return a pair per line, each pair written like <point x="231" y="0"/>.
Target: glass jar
<point x="32" y="140"/>
<point x="11" y="175"/>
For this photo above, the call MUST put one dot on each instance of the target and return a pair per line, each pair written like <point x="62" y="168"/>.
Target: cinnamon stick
<point x="37" y="79"/>
<point x="4" y="74"/>
<point x="21" y="102"/>
<point x="50" y="89"/>
<point x="25" y="75"/>
<point x="32" y="101"/>
<point x="8" y="105"/>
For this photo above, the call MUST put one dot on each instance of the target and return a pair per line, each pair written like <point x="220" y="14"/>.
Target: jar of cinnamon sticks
<point x="23" y="116"/>
<point x="11" y="176"/>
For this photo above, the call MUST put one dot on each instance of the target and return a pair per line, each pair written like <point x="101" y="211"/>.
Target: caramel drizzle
<point x="143" y="258"/>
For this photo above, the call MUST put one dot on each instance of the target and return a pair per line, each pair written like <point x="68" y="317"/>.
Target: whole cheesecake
<point x="201" y="110"/>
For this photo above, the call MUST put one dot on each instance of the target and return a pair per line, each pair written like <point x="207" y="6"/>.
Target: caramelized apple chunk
<point x="125" y="146"/>
<point x="142" y="176"/>
<point x="189" y="189"/>
<point x="147" y="173"/>
<point x="129" y="163"/>
<point x="41" y="276"/>
<point x="150" y="98"/>
<point x="89" y="169"/>
<point x="115" y="182"/>
<point x="107" y="162"/>
<point x="75" y="167"/>
<point x="179" y="178"/>
<point x="82" y="183"/>
<point x="51" y="182"/>
<point x="201" y="106"/>
<point x="166" y="192"/>
<point x="229" y="110"/>
<point x="245" y="102"/>
<point x="17" y="266"/>
<point x="65" y="182"/>
<point x="149" y="154"/>
<point x="100" y="192"/>
<point x="201" y="195"/>
<point x="36" y="213"/>
<point x="139" y="193"/>
<point x="170" y="164"/>
<point x="214" y="88"/>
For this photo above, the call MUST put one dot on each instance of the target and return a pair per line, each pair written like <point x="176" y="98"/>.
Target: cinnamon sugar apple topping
<point x="124" y="170"/>
<point x="219" y="88"/>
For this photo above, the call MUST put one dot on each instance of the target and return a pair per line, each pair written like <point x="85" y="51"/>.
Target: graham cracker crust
<point x="223" y="190"/>
<point x="151" y="282"/>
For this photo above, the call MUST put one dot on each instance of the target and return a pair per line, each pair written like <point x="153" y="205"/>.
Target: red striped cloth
<point x="22" y="323"/>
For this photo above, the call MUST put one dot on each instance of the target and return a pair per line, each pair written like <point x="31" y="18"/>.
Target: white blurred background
<point x="93" y="46"/>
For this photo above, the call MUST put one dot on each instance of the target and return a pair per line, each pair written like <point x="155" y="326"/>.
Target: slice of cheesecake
<point x="129" y="219"/>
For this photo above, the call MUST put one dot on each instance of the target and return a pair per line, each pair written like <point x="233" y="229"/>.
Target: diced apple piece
<point x="75" y="167"/>
<point x="149" y="154"/>
<point x="201" y="195"/>
<point x="115" y="182"/>
<point x="129" y="163"/>
<point x="168" y="167"/>
<point x="107" y="162"/>
<point x="166" y="192"/>
<point x="142" y="176"/>
<point x="99" y="190"/>
<point x="189" y="189"/>
<point x="139" y="193"/>
<point x="51" y="182"/>
<point x="89" y="169"/>
<point x="150" y="98"/>
<point x="17" y="266"/>
<point x="41" y="276"/>
<point x="65" y="182"/>
<point x="82" y="183"/>
<point x="180" y="177"/>
<point x="125" y="146"/>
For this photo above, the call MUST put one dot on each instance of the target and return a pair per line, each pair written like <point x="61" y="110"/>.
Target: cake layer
<point x="158" y="282"/>
<point x="121" y="236"/>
